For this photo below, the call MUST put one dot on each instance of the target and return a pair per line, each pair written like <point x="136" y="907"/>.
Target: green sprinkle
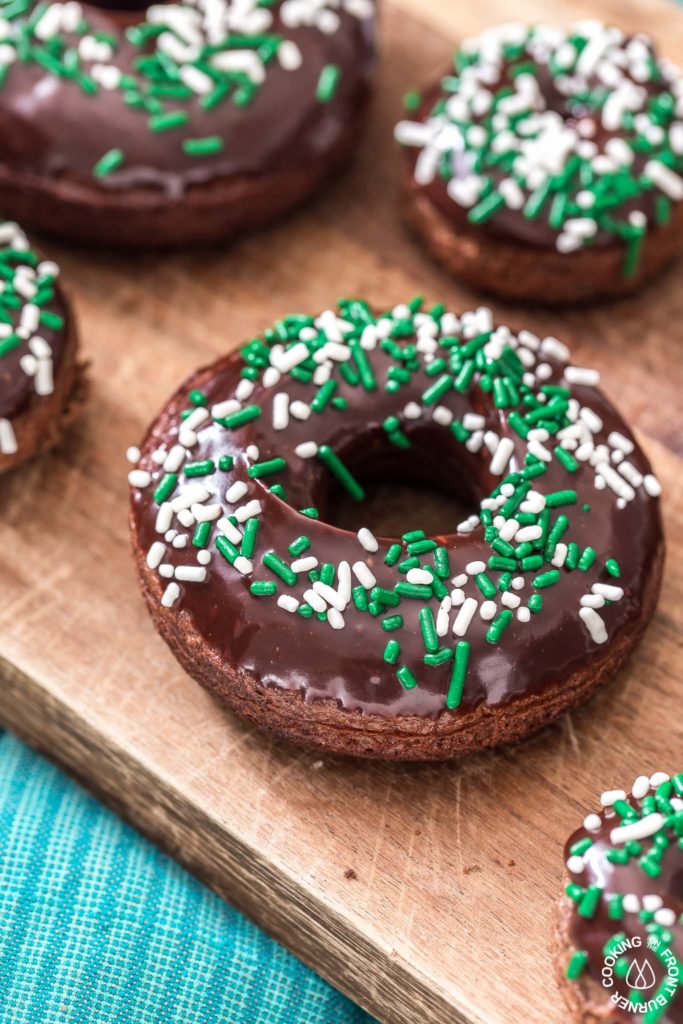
<point x="337" y="467"/>
<point x="165" y="488"/>
<point x="261" y="469"/>
<point x="263" y="589"/>
<point x="201" y="535"/>
<point x="225" y="463"/>
<point x="392" y="652"/>
<point x="612" y="567"/>
<point x="392" y="622"/>
<point x="280" y="568"/>
<point x="457" y="683"/>
<point x="577" y="964"/>
<point x="111" y="161"/>
<point x="328" y="83"/>
<point x="203" y="147"/>
<point x="498" y="626"/>
<point x="203" y="468"/>
<point x="406" y="678"/>
<point x="589" y="902"/>
<point x="587" y="558"/>
<point x="298" y="546"/>
<point x="251" y="529"/>
<point x="428" y="629"/>
<point x="547" y="579"/>
<point x="241" y="417"/>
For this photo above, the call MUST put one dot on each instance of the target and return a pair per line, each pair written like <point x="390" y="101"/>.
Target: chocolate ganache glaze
<point x="552" y="139"/>
<point x="625" y="927"/>
<point x="183" y="96"/>
<point x="34" y="331"/>
<point x="412" y="625"/>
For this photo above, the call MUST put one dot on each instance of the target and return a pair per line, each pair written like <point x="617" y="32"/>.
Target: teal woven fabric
<point x="98" y="927"/>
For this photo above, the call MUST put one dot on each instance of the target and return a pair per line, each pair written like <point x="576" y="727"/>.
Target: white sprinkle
<point x="164" y="517"/>
<point x="230" y="531"/>
<point x="286" y="360"/>
<point x="576" y="865"/>
<point x="236" y="492"/>
<point x="464" y="617"/>
<point x="364" y="575"/>
<point x="170" y="595"/>
<point x="524" y="614"/>
<point x="133" y="455"/>
<point x="244" y="512"/>
<point x="306" y="450"/>
<point x="670" y="183"/>
<point x="155" y="554"/>
<point x="174" y="459"/>
<point x="166" y="570"/>
<point x="304" y="564"/>
<point x="631" y="903"/>
<point x="139" y="478"/>
<point x="442" y="616"/>
<point x="608" y="591"/>
<point x="658" y="778"/>
<point x="665" y="917"/>
<point x="528" y="533"/>
<point x="473" y="421"/>
<point x="641" y="787"/>
<point x="582" y="375"/>
<point x="617" y="440"/>
<point x="412" y="411"/>
<point x="594" y="624"/>
<point x="299" y="410"/>
<point x="335" y="618"/>
<point x="419" y="576"/>
<point x="442" y="416"/>
<point x="652" y="485"/>
<point x="367" y="539"/>
<point x="203" y="557"/>
<point x="287" y="602"/>
<point x="226" y="408"/>
<point x="592" y="823"/>
<point x="329" y="594"/>
<point x="190" y="573"/>
<point x="642" y="829"/>
<point x="460" y="580"/>
<point x="206" y="513"/>
<point x="315" y="600"/>
<point x="610" y="797"/>
<point x="510" y="600"/>
<point x="193" y="493"/>
<point x="281" y="411"/>
<point x="503" y="453"/>
<point x="487" y="610"/>
<point x="474" y="568"/>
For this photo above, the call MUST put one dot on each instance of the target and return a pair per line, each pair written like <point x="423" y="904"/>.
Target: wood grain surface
<point x="445" y="913"/>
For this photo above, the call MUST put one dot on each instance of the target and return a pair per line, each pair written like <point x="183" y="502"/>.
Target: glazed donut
<point x="546" y="165"/>
<point x="416" y="647"/>
<point x="163" y="124"/>
<point x="619" y="941"/>
<point x="40" y="377"/>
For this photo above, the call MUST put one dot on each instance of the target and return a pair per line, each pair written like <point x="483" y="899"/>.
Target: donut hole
<point x="428" y="486"/>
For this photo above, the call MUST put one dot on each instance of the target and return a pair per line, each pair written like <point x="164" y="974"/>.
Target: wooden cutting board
<point x="425" y="893"/>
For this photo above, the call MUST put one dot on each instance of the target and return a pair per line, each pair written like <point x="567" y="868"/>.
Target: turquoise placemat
<point x="97" y="926"/>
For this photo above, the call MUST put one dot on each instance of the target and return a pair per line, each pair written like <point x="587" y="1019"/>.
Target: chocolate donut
<point x="415" y="647"/>
<point x="620" y="934"/>
<point x="163" y="124"/>
<point x="40" y="379"/>
<point x="546" y="165"/>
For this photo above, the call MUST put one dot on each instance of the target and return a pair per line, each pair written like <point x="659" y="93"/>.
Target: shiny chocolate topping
<point x="626" y="870"/>
<point x="168" y="96"/>
<point x="553" y="139"/>
<point x="33" y="330"/>
<point x="553" y="563"/>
